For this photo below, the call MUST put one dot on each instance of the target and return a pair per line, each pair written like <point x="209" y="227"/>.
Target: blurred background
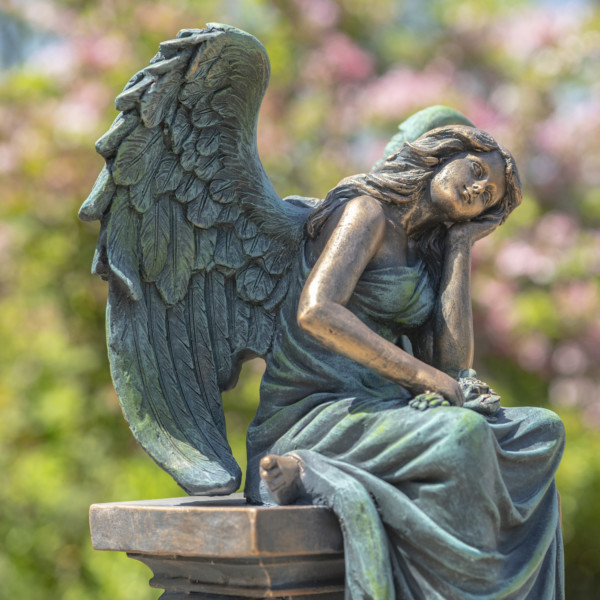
<point x="344" y="74"/>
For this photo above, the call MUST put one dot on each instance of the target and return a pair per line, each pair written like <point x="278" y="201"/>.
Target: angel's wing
<point x="196" y="246"/>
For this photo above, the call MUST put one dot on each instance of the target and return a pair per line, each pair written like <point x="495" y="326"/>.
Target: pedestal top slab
<point x="213" y="527"/>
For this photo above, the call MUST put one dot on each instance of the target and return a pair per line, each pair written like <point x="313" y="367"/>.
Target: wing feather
<point x="173" y="280"/>
<point x="159" y="99"/>
<point x="208" y="141"/>
<point x="122" y="126"/>
<point x="189" y="188"/>
<point x="216" y="312"/>
<point x="181" y="128"/>
<point x="199" y="331"/>
<point x="155" y="234"/>
<point x="99" y="199"/>
<point x="206" y="240"/>
<point x="122" y="244"/>
<point x="140" y="194"/>
<point x="254" y="284"/>
<point x="228" y="250"/>
<point x="228" y="214"/>
<point x="204" y="116"/>
<point x="261" y="330"/>
<point x="169" y="175"/>
<point x="188" y="154"/>
<point x="185" y="372"/>
<point x="137" y="155"/>
<point x="202" y="211"/>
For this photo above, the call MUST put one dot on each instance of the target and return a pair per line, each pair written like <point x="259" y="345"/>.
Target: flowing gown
<point x="441" y="504"/>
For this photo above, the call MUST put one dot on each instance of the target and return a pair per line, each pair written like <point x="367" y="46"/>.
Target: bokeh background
<point x="344" y="74"/>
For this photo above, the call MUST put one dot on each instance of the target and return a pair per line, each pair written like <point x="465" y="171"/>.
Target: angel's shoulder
<point x="365" y="208"/>
<point x="361" y="214"/>
<point x="363" y="217"/>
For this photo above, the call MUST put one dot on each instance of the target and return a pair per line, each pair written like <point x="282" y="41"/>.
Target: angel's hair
<point x="403" y="178"/>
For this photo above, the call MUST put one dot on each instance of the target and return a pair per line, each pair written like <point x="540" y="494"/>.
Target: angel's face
<point x="468" y="185"/>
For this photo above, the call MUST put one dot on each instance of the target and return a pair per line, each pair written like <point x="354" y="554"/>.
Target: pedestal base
<point x="223" y="549"/>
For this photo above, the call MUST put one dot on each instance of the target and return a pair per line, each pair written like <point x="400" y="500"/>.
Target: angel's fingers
<point x="436" y="402"/>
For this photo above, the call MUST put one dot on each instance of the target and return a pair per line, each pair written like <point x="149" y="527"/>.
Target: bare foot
<point x="281" y="475"/>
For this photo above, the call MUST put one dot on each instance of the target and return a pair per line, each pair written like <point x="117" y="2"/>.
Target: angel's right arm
<point x="322" y="313"/>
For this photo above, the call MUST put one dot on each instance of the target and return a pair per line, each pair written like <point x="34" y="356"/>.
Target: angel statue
<point x="359" y="304"/>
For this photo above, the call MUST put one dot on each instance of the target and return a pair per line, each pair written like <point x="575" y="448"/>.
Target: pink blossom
<point x="569" y="358"/>
<point x="552" y="134"/>
<point x="533" y="351"/>
<point x="517" y="258"/>
<point x="577" y="298"/>
<point x="557" y="230"/>
<point x="590" y="340"/>
<point x="574" y="392"/>
<point x="339" y="58"/>
<point x="591" y="413"/>
<point x="496" y="297"/>
<point x="82" y="110"/>
<point x="60" y="60"/>
<point x="569" y="136"/>
<point x="8" y="158"/>
<point x="323" y="14"/>
<point x="573" y="127"/>
<point x="484" y="116"/>
<point x="528" y="30"/>
<point x="403" y="90"/>
<point x="46" y="14"/>
<point x="103" y="51"/>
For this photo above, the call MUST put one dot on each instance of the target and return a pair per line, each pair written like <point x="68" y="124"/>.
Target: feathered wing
<point x="196" y="246"/>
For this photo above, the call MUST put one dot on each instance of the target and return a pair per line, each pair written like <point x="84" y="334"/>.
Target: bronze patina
<point x="360" y="305"/>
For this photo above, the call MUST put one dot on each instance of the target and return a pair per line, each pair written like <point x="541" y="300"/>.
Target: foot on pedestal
<point x="281" y="475"/>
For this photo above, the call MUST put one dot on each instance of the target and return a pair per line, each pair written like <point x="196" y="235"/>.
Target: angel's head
<point x="443" y="162"/>
<point x="461" y="172"/>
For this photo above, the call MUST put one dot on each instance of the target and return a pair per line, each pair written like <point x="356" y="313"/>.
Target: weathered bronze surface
<point x="360" y="305"/>
<point x="226" y="548"/>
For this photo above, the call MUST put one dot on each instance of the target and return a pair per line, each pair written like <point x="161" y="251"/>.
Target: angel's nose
<point x="477" y="187"/>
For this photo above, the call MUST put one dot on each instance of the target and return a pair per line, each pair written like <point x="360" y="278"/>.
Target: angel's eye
<point x="477" y="169"/>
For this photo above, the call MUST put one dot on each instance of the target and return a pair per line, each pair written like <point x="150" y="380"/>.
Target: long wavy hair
<point x="404" y="177"/>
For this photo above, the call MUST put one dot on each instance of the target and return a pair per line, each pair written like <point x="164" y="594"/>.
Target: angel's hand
<point x="479" y="396"/>
<point x="440" y="386"/>
<point x="428" y="400"/>
<point x="474" y="230"/>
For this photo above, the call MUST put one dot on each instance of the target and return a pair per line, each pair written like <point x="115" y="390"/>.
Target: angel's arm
<point x="353" y="243"/>
<point x="450" y="344"/>
<point x="452" y="326"/>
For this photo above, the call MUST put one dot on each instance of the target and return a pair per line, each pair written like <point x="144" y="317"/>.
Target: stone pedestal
<point x="222" y="548"/>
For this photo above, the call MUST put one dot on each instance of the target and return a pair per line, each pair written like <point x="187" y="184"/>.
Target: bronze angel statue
<point x="360" y="305"/>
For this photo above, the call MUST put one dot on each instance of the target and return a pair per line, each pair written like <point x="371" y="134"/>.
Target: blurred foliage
<point x="343" y="75"/>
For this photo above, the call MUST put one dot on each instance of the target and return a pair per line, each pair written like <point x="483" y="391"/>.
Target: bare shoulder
<point x="361" y="217"/>
<point x="363" y="210"/>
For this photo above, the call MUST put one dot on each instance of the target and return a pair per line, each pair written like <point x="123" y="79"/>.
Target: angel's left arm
<point x="452" y="320"/>
<point x="446" y="340"/>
